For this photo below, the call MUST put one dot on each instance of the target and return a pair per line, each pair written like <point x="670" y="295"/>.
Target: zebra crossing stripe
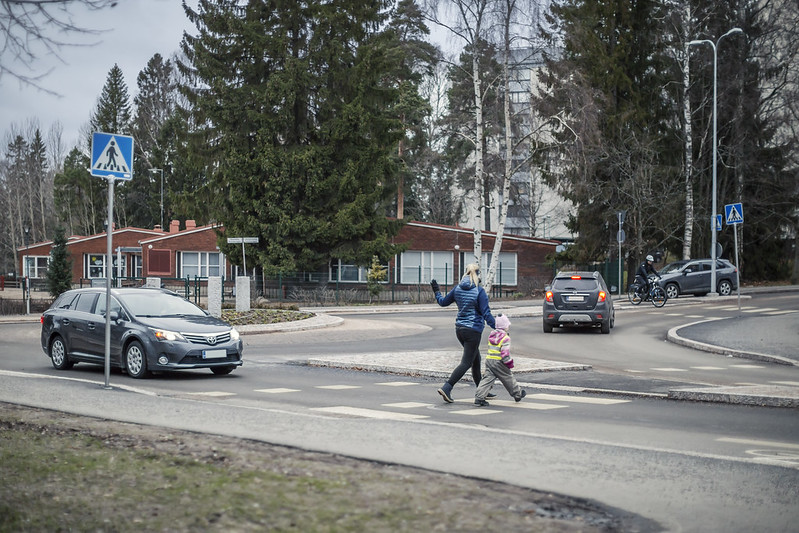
<point x="277" y="391"/>
<point x="575" y="399"/>
<point x="360" y="412"/>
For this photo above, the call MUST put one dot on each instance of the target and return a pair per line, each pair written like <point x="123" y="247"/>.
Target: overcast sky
<point x="135" y="31"/>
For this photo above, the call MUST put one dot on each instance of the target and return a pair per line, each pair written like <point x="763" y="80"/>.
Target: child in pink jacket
<point x="498" y="364"/>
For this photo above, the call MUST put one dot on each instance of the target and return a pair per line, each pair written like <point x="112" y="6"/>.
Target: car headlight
<point x="166" y="335"/>
<point x="234" y="334"/>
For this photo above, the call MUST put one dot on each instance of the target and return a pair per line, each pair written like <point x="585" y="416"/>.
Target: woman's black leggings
<point x="470" y="340"/>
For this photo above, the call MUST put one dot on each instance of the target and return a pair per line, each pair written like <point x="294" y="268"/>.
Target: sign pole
<point x="108" y="268"/>
<point x="737" y="268"/>
<point x="112" y="158"/>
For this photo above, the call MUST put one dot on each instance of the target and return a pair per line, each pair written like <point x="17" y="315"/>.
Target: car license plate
<point x="214" y="354"/>
<point x="575" y="298"/>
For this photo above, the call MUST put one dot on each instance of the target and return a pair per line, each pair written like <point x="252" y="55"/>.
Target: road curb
<point x="674" y="336"/>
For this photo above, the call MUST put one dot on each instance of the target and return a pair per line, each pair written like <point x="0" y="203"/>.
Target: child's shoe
<point x="521" y="395"/>
<point x="481" y="403"/>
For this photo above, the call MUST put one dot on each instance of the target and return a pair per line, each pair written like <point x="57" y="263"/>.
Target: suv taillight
<point x="549" y="296"/>
<point x="602" y="296"/>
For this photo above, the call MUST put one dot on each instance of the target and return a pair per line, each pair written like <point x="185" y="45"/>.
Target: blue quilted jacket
<point x="473" y="310"/>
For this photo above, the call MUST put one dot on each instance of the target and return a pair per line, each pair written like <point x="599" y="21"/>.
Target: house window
<point x="201" y="264"/>
<point x="350" y="273"/>
<point x="421" y="267"/>
<point x="35" y="266"/>
<point x="506" y="267"/>
<point x="94" y="266"/>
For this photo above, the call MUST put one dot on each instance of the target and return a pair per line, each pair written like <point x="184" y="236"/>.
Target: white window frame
<point x="35" y="266"/>
<point x="203" y="264"/>
<point x="508" y="263"/>
<point x="361" y="274"/>
<point x="90" y="261"/>
<point x="434" y="265"/>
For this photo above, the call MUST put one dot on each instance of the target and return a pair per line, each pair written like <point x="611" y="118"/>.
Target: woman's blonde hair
<point x="473" y="271"/>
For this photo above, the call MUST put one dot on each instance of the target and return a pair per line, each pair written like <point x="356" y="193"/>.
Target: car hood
<point x="186" y="324"/>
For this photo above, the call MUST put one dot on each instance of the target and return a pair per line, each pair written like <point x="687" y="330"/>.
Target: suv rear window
<point x="569" y="284"/>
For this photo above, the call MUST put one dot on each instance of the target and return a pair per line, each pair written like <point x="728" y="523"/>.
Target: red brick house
<point x="433" y="251"/>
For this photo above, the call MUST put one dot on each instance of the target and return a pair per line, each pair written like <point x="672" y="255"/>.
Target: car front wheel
<point x="58" y="354"/>
<point x="725" y="288"/>
<point x="136" y="361"/>
<point x="672" y="291"/>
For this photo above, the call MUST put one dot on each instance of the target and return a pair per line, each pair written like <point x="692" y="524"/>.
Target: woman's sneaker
<point x="481" y="403"/>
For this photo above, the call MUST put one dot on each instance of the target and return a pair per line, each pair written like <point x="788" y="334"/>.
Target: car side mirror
<point x="114" y="316"/>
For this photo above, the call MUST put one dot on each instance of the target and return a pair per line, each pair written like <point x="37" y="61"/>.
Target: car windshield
<point x="671" y="267"/>
<point x="571" y="284"/>
<point x="158" y="304"/>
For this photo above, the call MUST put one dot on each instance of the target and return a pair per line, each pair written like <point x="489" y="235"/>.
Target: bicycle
<point x="637" y="294"/>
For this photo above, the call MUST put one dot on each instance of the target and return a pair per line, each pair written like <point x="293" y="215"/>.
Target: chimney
<point x="157" y="227"/>
<point x="191" y="224"/>
<point x="174" y="226"/>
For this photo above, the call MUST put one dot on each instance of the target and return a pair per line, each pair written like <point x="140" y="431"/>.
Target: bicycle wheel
<point x="634" y="295"/>
<point x="658" y="297"/>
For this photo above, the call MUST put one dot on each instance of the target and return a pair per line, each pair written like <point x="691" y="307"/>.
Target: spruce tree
<point x="59" y="270"/>
<point x="297" y="126"/>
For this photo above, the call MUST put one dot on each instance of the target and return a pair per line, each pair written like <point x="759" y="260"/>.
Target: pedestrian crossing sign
<point x="112" y="156"/>
<point x="734" y="214"/>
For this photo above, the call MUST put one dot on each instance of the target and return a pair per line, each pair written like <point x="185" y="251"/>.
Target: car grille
<point x="211" y="339"/>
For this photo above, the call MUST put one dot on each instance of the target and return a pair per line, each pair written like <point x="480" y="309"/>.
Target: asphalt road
<point x="687" y="466"/>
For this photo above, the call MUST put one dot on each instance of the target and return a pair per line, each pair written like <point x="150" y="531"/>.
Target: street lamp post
<point x="161" y="170"/>
<point x="713" y="245"/>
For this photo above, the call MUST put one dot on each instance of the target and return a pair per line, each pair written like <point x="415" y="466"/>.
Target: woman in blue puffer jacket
<point x="473" y="314"/>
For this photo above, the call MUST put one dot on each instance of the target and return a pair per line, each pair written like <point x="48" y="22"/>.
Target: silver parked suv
<point x="693" y="277"/>
<point x="578" y="299"/>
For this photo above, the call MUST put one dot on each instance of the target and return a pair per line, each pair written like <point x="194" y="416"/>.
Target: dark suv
<point x="578" y="299"/>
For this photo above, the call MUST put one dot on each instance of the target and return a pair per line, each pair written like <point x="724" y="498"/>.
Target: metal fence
<point x="316" y="288"/>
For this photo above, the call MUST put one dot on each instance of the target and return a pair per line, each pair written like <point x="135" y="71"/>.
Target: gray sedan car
<point x="151" y="330"/>
<point x="693" y="277"/>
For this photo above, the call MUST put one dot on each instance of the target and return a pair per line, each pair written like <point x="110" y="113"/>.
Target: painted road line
<point x="524" y="404"/>
<point x="407" y="405"/>
<point x="760" y="310"/>
<point x="783" y="312"/>
<point x="397" y="383"/>
<point x="575" y="399"/>
<point x="215" y="394"/>
<point x="338" y="387"/>
<point x="747" y="366"/>
<point x="668" y="369"/>
<point x="756" y="442"/>
<point x="477" y="411"/>
<point x="277" y="391"/>
<point x="789" y="383"/>
<point x="708" y="368"/>
<point x="367" y="413"/>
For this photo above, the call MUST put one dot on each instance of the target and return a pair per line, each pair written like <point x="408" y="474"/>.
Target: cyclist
<point x="646" y="268"/>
